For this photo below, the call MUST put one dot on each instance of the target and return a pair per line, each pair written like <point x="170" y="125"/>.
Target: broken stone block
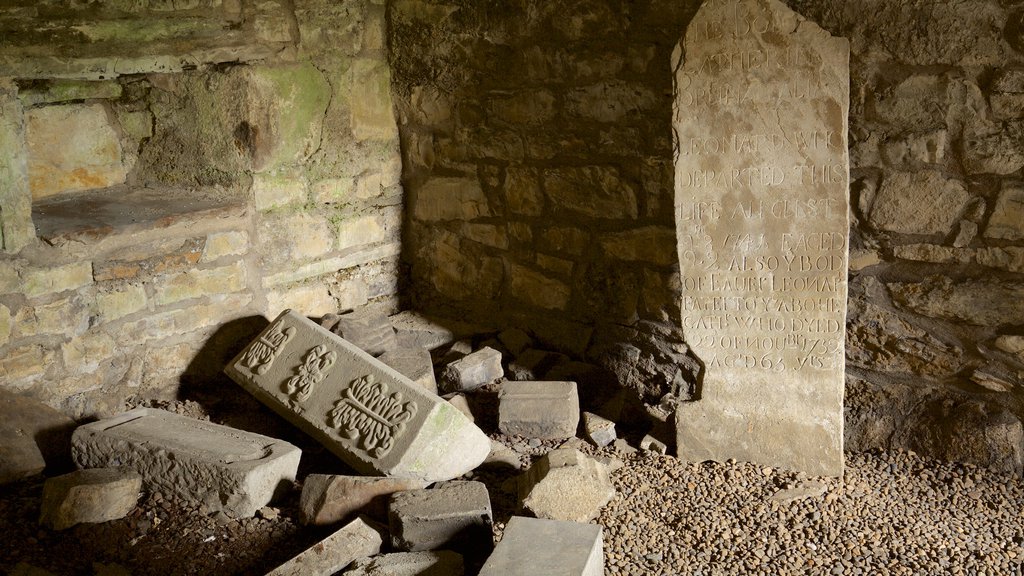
<point x="566" y="484"/>
<point x="598" y="430"/>
<point x="548" y="410"/>
<point x="532" y="364"/>
<point x="651" y="444"/>
<point x="472" y="371"/>
<point x="427" y="563"/>
<point x="462" y="404"/>
<point x="413" y="363"/>
<point x="415" y="329"/>
<point x="532" y="546"/>
<point x="89" y="496"/>
<point x="32" y="436"/>
<point x="329" y="499"/>
<point x="229" y="470"/>
<point x="515" y="341"/>
<point x="376" y="420"/>
<point x="455" y="515"/>
<point x="358" y="539"/>
<point x="370" y="330"/>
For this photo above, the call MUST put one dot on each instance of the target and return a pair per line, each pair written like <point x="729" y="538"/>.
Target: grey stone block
<point x="599" y="430"/>
<point x="651" y="444"/>
<point x="415" y="329"/>
<point x="566" y="484"/>
<point x="226" y="469"/>
<point x="370" y="330"/>
<point x="358" y="539"/>
<point x="89" y="496"/>
<point x="429" y="563"/>
<point x="472" y="371"/>
<point x="549" y="410"/>
<point x="533" y="364"/>
<point x="413" y="363"/>
<point x="368" y="414"/>
<point x="533" y="547"/>
<point x="329" y="499"/>
<point x="515" y="340"/>
<point x="455" y="515"/>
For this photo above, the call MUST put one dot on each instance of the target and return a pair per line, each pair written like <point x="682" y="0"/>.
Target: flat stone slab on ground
<point x="227" y="469"/>
<point x="32" y="436"/>
<point x="89" y="496"/>
<point x="566" y="484"/>
<point x="358" y="539"/>
<point x="536" y="547"/>
<point x="454" y="515"/>
<point x="548" y="410"/>
<point x="428" y="563"/>
<point x="413" y="363"/>
<point x="472" y="371"/>
<point x="367" y="413"/>
<point x="329" y="499"/>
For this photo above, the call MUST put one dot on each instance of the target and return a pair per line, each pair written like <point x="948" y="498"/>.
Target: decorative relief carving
<point x="367" y="413"/>
<point x="312" y="371"/>
<point x="263" y="351"/>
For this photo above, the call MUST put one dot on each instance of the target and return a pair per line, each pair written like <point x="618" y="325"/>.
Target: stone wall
<point x="253" y="151"/>
<point x="538" y="161"/>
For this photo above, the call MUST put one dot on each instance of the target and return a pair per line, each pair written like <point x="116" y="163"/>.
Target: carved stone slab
<point x="226" y="469"/>
<point x="762" y="204"/>
<point x="371" y="416"/>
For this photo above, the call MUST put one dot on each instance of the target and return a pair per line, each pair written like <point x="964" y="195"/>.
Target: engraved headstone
<point x="368" y="414"/>
<point x="762" y="178"/>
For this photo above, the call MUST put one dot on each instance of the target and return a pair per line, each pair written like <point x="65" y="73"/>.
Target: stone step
<point x="368" y="414"/>
<point x="530" y="547"/>
<point x="225" y="468"/>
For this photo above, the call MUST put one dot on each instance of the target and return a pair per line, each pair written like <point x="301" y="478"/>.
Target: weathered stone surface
<point x="224" y="468"/>
<point x="537" y="289"/>
<point x="89" y="496"/>
<point x="762" y="181"/>
<point x="426" y="563"/>
<point x="651" y="244"/>
<point x="369" y="415"/>
<point x="1009" y="258"/>
<point x="515" y="341"/>
<point x="919" y="203"/>
<point x="358" y="539"/>
<point x="472" y="371"/>
<point x="329" y="499"/>
<point x="414" y="329"/>
<point x="532" y="546"/>
<point x="566" y="484"/>
<point x="532" y="364"/>
<point x="1011" y="345"/>
<point x="32" y="436"/>
<point x="462" y="404"/>
<point x="1007" y="221"/>
<point x="41" y="281"/>
<point x="993" y="148"/>
<point x="16" y="228"/>
<point x="977" y="302"/>
<point x="651" y="444"/>
<point x="450" y="199"/>
<point x="539" y="409"/>
<point x="594" y="191"/>
<point x="72" y="147"/>
<point x="455" y="515"/>
<point x="804" y="491"/>
<point x="367" y="328"/>
<point x="599" y="430"/>
<point x="413" y="363"/>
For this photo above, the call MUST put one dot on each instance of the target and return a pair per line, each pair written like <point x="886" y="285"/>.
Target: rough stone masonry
<point x="762" y="180"/>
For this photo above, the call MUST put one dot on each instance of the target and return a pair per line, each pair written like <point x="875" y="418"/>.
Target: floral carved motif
<point x="367" y="414"/>
<point x="263" y="351"/>
<point x="311" y="372"/>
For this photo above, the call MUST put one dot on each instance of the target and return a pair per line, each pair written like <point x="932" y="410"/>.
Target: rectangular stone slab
<point x="358" y="539"/>
<point x="762" y="218"/>
<point x="532" y="547"/>
<point x="455" y="515"/>
<point x="224" y="468"/>
<point x="539" y="409"/>
<point x="368" y="414"/>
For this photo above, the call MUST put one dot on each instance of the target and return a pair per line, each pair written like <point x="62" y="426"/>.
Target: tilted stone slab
<point x="226" y="469"/>
<point x="368" y="414"/>
<point x="535" y="547"/>
<point x="428" y="563"/>
<point x="455" y="515"/>
<point x="358" y="539"/>
<point x="548" y="410"/>
<point x="414" y="363"/>
<point x="762" y="211"/>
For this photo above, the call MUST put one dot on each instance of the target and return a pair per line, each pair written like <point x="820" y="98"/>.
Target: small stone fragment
<point x="368" y="329"/>
<point x="622" y="447"/>
<point x="413" y="363"/>
<point x="651" y="444"/>
<point x="89" y="496"/>
<point x="358" y="539"/>
<point x="198" y="461"/>
<point x="515" y="341"/>
<point x="810" y="489"/>
<point x="462" y="404"/>
<point x="268" y="513"/>
<point x="472" y="371"/>
<point x="455" y="515"/>
<point x="426" y="563"/>
<point x="599" y="430"/>
<point x="532" y="546"/>
<point x="566" y="484"/>
<point x="549" y="410"/>
<point x="329" y="499"/>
